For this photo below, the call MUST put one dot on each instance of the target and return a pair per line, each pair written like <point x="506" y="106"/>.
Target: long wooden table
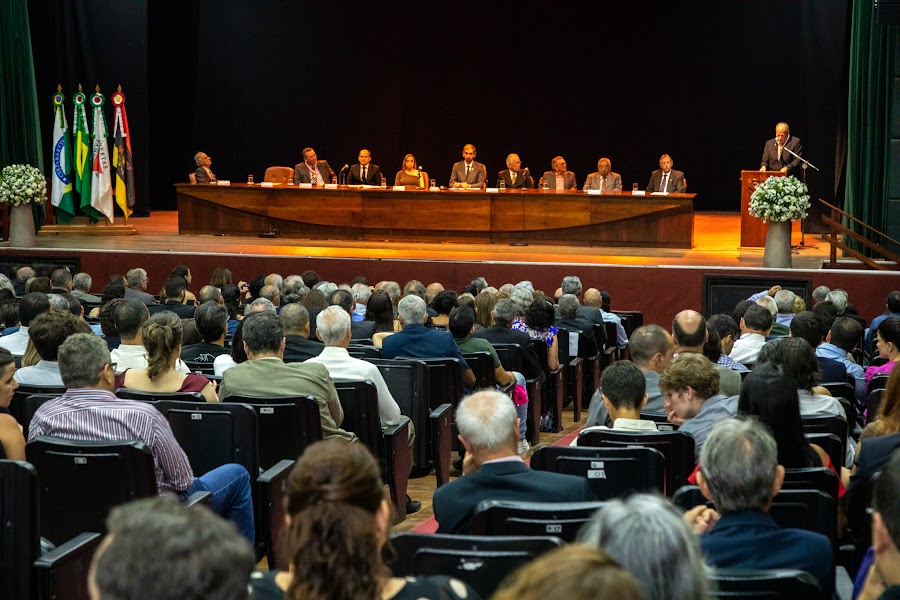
<point x="535" y="216"/>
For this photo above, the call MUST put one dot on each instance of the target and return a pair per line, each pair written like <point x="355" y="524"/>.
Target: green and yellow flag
<point x="61" y="194"/>
<point x="81" y="136"/>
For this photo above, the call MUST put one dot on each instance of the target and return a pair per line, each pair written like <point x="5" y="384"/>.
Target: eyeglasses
<point x="112" y="365"/>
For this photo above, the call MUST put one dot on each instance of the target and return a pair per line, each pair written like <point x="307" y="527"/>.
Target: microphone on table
<point x="344" y="177"/>
<point x="525" y="177"/>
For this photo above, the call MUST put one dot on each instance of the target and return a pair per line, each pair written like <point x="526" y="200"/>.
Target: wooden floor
<point x="716" y="244"/>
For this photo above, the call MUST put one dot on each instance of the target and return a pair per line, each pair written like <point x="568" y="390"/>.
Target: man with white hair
<point x="361" y="293"/>
<point x="492" y="469"/>
<point x="820" y="293"/>
<point x="416" y="340"/>
<point x="841" y="301"/>
<point x="137" y="281"/>
<point x="784" y="301"/>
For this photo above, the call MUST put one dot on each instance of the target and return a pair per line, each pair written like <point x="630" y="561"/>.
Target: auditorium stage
<point x="658" y="281"/>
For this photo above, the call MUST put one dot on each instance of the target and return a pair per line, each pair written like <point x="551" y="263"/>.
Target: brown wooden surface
<point x="536" y="216"/>
<point x="753" y="230"/>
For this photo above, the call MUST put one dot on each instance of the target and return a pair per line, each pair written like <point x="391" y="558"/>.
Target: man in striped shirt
<point x="89" y="410"/>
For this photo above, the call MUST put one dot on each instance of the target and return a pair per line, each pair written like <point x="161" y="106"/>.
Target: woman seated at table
<point x="410" y="176"/>
<point x="163" y="334"/>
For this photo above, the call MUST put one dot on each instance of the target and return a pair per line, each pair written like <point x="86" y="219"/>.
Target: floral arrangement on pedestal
<point x="780" y="199"/>
<point x="22" y="184"/>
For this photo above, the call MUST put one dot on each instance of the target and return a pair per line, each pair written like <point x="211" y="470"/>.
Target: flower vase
<point x="21" y="226"/>
<point x="778" y="245"/>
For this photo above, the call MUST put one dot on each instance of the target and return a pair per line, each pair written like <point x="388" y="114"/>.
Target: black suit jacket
<point x="513" y="480"/>
<point x="497" y="334"/>
<point x="770" y="155"/>
<point x="587" y="343"/>
<point x="832" y="370"/>
<point x="373" y="175"/>
<point x="521" y="180"/>
<point x="673" y="186"/>
<point x="362" y="330"/>
<point x="297" y="348"/>
<point x="185" y="311"/>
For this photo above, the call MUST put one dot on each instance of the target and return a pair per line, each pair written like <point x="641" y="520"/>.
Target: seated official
<point x="624" y="394"/>
<point x="604" y="179"/>
<point x="666" y="179"/>
<point x="559" y="178"/>
<point x="203" y="172"/>
<point x="48" y="331"/>
<point x="468" y="173"/>
<point x="513" y="176"/>
<point x="212" y="321"/>
<point x="89" y="410"/>
<point x="492" y="469"/>
<point x="312" y="170"/>
<point x="410" y="176"/>
<point x="364" y="172"/>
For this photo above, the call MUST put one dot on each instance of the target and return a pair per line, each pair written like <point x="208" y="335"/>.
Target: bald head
<point x="689" y="330"/>
<point x="593" y="297"/>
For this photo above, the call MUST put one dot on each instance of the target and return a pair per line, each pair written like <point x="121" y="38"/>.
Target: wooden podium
<point x="753" y="230"/>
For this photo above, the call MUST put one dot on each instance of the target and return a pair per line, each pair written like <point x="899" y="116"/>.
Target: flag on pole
<point x="62" y="194"/>
<point x="101" y="183"/>
<point x="82" y="138"/>
<point x="122" y="157"/>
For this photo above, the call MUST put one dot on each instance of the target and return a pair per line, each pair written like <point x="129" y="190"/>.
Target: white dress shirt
<point x="747" y="347"/>
<point x="15" y="342"/>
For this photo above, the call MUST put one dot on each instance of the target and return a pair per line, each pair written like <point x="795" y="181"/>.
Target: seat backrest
<point x="408" y="380"/>
<point x="359" y="399"/>
<point x="214" y="434"/>
<point x="204" y="368"/>
<point x="63" y="572"/>
<point x="509" y="517"/>
<point x="286" y="426"/>
<point x="631" y="320"/>
<point x="836" y="425"/>
<point x="81" y="481"/>
<point x="510" y="356"/>
<point x="482" y="365"/>
<point x="481" y="562"/>
<point x="611" y="472"/>
<point x="811" y="478"/>
<point x="873" y="403"/>
<point x="131" y="394"/>
<point x="764" y="584"/>
<point x="31" y="405"/>
<point x="17" y="404"/>
<point x="272" y="485"/>
<point x="279" y="174"/>
<point x="445" y="381"/>
<point x="364" y="351"/>
<point x="662" y="423"/>
<point x="840" y="389"/>
<point x="20" y="542"/>
<point x="879" y="382"/>
<point x="676" y="446"/>
<point x="192" y="177"/>
<point x="831" y="444"/>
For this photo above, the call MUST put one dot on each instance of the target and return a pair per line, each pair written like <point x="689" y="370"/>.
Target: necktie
<point x="512" y="176"/>
<point x="468" y="170"/>
<point x="313" y="175"/>
<point x="664" y="184"/>
<point x="603" y="182"/>
<point x="779" y="152"/>
<point x="364" y="174"/>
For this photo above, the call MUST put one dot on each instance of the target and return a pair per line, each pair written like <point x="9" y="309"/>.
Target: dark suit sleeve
<point x="650" y="185"/>
<point x="798" y="148"/>
<point x="374" y="175"/>
<point x="680" y="185"/>
<point x="200" y="173"/>
<point x="480" y="176"/>
<point x="764" y="163"/>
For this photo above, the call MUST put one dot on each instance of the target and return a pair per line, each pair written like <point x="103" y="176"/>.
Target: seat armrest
<point x="535" y="396"/>
<point x="397" y="463"/>
<point x="557" y="394"/>
<point x="199" y="498"/>
<point x="441" y="441"/>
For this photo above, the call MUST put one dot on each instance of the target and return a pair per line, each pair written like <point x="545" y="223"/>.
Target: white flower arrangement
<point x="780" y="199"/>
<point x="22" y="184"/>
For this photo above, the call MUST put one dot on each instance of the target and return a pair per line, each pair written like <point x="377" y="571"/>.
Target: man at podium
<point x="775" y="153"/>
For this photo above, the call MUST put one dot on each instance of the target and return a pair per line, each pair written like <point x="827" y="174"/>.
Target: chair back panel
<point x="408" y="380"/>
<point x="611" y="472"/>
<point x="510" y="518"/>
<point x="17" y="404"/>
<point x="272" y="486"/>
<point x="764" y="584"/>
<point x="279" y="174"/>
<point x="20" y="543"/>
<point x="285" y="426"/>
<point x="359" y="399"/>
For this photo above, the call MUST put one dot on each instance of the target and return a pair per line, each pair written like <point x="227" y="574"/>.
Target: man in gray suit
<point x="559" y="178"/>
<point x="604" y="179"/>
<point x="203" y="173"/>
<point x="666" y="179"/>
<point x="775" y="157"/>
<point x="468" y="173"/>
<point x="312" y="170"/>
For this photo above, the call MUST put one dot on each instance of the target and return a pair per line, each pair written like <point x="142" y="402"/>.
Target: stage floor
<point x="716" y="244"/>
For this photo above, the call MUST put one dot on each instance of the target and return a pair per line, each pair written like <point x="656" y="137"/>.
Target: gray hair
<point x="294" y="318"/>
<point x="487" y="420"/>
<point x="521" y="298"/>
<point x="768" y="303"/>
<point x="504" y="312"/>
<point x="332" y="325"/>
<point x="525" y="284"/>
<point x="784" y="300"/>
<point x="820" y="293"/>
<point x="82" y="282"/>
<point x="209" y="293"/>
<point x="738" y="463"/>
<point x="568" y="306"/>
<point x="646" y="342"/>
<point x="81" y="357"/>
<point x="58" y="302"/>
<point x="259" y="305"/>
<point x="6" y="284"/>
<point x="839" y="299"/>
<point x="274" y="279"/>
<point x="414" y="286"/>
<point x="412" y="310"/>
<point x="647" y="536"/>
<point x="480" y="282"/>
<point x="571" y="284"/>
<point x="135" y="277"/>
<point x="392" y="289"/>
<point x="262" y="332"/>
<point x="326" y="287"/>
<point x="292" y="289"/>
<point x="360" y="291"/>
<point x="270" y="293"/>
<point x="198" y="158"/>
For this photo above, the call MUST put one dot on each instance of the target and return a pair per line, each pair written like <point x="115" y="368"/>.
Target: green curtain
<point x="20" y="129"/>
<point x="870" y="97"/>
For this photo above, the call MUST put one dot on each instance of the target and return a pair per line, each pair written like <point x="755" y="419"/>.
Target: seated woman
<point x="381" y="310"/>
<point x="538" y="324"/>
<point x="410" y="176"/>
<point x="887" y="341"/>
<point x="189" y="297"/>
<point x="163" y="334"/>
<point x="232" y="298"/>
<point x="10" y="433"/>
<point x="484" y="309"/>
<point x="444" y="302"/>
<point x="887" y="420"/>
<point x="339" y="521"/>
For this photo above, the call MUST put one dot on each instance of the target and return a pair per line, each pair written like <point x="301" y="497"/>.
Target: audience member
<point x="11" y="438"/>
<point x="130" y="316"/>
<point x="594" y="299"/>
<point x="892" y="309"/>
<point x="569" y="320"/>
<point x="361" y="294"/>
<point x="756" y="324"/>
<point x="820" y="293"/>
<point x="48" y="331"/>
<point x="501" y="332"/>
<point x="689" y="332"/>
<point x="220" y="277"/>
<point x="883" y="580"/>
<point x="174" y="294"/>
<point x="362" y="330"/>
<point x="797" y="358"/>
<point x="887" y="419"/>
<point x="297" y="345"/>
<point x="807" y="326"/>
<point x="211" y="320"/>
<point x="137" y="286"/>
<point x="38" y="285"/>
<point x="623" y="391"/>
<point x="484" y="308"/>
<point x="538" y="324"/>
<point x="785" y="300"/>
<point x="444" y="302"/>
<point x="887" y="342"/>
<point x="380" y="310"/>
<point x="30" y="306"/>
<point x="60" y="281"/>
<point x="23" y="274"/>
<point x="844" y="336"/>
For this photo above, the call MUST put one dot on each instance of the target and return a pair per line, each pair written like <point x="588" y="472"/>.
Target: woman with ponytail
<point x="339" y="520"/>
<point x="162" y="336"/>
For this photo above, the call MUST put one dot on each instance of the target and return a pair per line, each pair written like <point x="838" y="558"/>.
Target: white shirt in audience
<point x="46" y="372"/>
<point x="15" y="342"/>
<point x="747" y="347"/>
<point x="132" y="356"/>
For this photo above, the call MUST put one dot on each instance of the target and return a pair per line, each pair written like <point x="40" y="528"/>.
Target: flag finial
<point x="79" y="87"/>
<point x="97" y="88"/>
<point x="58" y="87"/>
<point x="120" y="87"/>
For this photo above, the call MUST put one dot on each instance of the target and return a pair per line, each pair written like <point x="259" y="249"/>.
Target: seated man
<point x="492" y="469"/>
<point x="569" y="319"/>
<point x="604" y="179"/>
<point x="266" y="374"/>
<point x="297" y="345"/>
<point x="203" y="172"/>
<point x="220" y="562"/>
<point x="468" y="173"/>
<point x="81" y="288"/>
<point x="30" y="306"/>
<point x="728" y="332"/>
<point x="666" y="179"/>
<point x="130" y="316"/>
<point x="778" y="329"/>
<point x="137" y="282"/>
<point x="690" y="333"/>
<point x="740" y="473"/>
<point x="756" y="324"/>
<point x="513" y="176"/>
<point x="362" y="330"/>
<point x="312" y="170"/>
<point x="501" y="332"/>
<point x="364" y="172"/>
<point x="807" y="325"/>
<point x="175" y="288"/>
<point x="844" y="336"/>
<point x="892" y="309"/>
<point x="89" y="410"/>
<point x="559" y="178"/>
<point x="211" y="319"/>
<point x="594" y="299"/>
<point x="693" y="401"/>
<point x="48" y="331"/>
<point x="624" y="395"/>
<point x="415" y="340"/>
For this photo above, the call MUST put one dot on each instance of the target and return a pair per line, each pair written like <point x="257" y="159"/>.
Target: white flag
<point x="101" y="183"/>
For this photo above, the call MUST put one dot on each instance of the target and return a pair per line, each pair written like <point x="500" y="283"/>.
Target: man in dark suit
<point x="297" y="345"/>
<point x="203" y="172"/>
<point x="468" y="173"/>
<point x="740" y="473"/>
<point x="364" y="172"/>
<point x="775" y="157"/>
<point x="359" y="330"/>
<point x="312" y="170"/>
<point x="175" y="287"/>
<point x="569" y="320"/>
<point x="666" y="179"/>
<point x="501" y="332"/>
<point x="415" y="340"/>
<point x="492" y="468"/>
<point x="513" y="176"/>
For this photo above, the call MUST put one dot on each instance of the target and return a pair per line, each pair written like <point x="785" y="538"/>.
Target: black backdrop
<point x="251" y="83"/>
